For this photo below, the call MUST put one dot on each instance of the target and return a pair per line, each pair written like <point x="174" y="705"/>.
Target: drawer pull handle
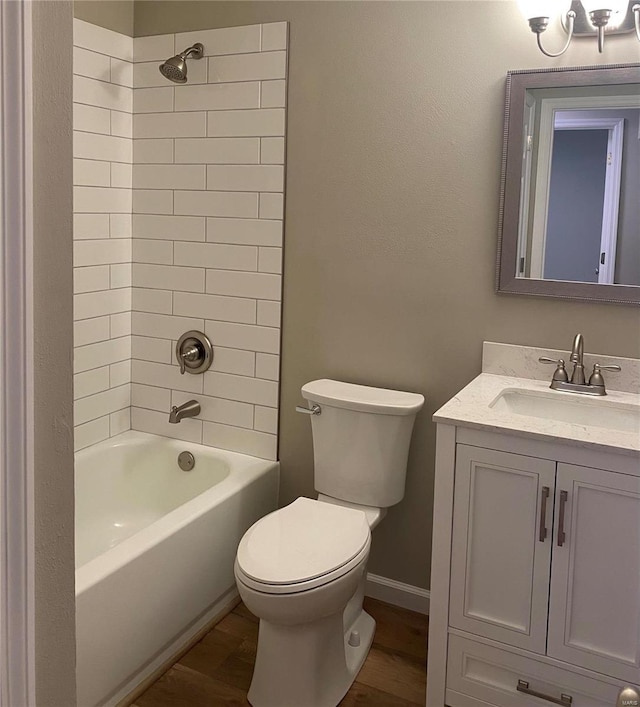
<point x="564" y="495"/>
<point x="543" y="514"/>
<point x="523" y="686"/>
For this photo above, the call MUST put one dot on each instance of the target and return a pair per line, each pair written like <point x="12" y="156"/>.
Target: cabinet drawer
<point x="490" y="676"/>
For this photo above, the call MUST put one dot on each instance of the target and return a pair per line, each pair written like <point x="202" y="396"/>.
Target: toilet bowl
<point x="301" y="570"/>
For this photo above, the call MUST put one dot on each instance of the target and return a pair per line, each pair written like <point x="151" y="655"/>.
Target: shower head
<point x="175" y="69"/>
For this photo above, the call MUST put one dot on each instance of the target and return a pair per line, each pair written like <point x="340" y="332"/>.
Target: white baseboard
<point x="399" y="594"/>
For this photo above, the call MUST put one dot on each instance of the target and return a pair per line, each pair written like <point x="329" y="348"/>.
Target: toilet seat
<point x="304" y="545"/>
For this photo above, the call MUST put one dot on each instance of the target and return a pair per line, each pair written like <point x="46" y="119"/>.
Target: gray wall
<point x="53" y="342"/>
<point x="112" y="14"/>
<point x="394" y="144"/>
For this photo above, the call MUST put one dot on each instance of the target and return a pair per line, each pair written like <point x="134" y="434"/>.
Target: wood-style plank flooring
<point x="217" y="670"/>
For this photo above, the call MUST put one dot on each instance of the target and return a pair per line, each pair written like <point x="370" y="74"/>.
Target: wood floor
<point x="217" y="670"/>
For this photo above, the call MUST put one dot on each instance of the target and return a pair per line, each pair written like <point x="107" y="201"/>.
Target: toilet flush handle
<point x="313" y="410"/>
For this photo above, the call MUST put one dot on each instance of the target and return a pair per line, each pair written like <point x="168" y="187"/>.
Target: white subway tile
<point x="102" y="353"/>
<point x="263" y="178"/>
<point x="151" y="397"/>
<point x="101" y="252"/>
<point x="156" y="151"/>
<point x="156" y="252"/>
<point x="121" y="124"/>
<point x="90" y="279"/>
<point x="157" y="423"/>
<point x="152" y="201"/>
<point x="120" y="324"/>
<point x="247" y="67"/>
<point x="244" y="284"/>
<point x="214" y="255"/>
<point x="147" y="74"/>
<point x="248" y="390"/>
<point x="120" y="373"/>
<point x="244" y="231"/>
<point x="228" y="412"/>
<point x="169" y="176"/>
<point x="103" y="95"/>
<point x="90" y="433"/>
<point x="90" y="382"/>
<point x="272" y="150"/>
<point x="179" y="228"/>
<point x="273" y="94"/>
<point x="89" y="331"/>
<point x="244" y="336"/>
<point x="91" y="173"/>
<point x="102" y="40"/>
<point x="147" y="348"/>
<point x="262" y="122"/>
<point x="213" y="203"/>
<point x="164" y="327"/>
<point x="274" y="36"/>
<point x="119" y="422"/>
<point x="155" y="301"/>
<point x="225" y="309"/>
<point x="268" y="313"/>
<point x="91" y="119"/>
<point x="97" y="304"/>
<point x="270" y="260"/>
<point x="227" y="40"/>
<point x="148" y="125"/>
<point x="121" y="72"/>
<point x="100" y="404"/>
<point x="271" y="206"/>
<point x="154" y="48"/>
<point x="242" y="363"/>
<point x="168" y="277"/>
<point x="266" y="419"/>
<point x="217" y="150"/>
<point x="108" y="148"/>
<point x="267" y="366"/>
<point x="95" y="66"/>
<point x="153" y="100"/>
<point x="218" y="97"/>
<point x="236" y="439"/>
<point x="164" y="376"/>
<point x="120" y="225"/>
<point x="101" y="200"/>
<point x="90" y="226"/>
<point x="120" y="275"/>
<point x="121" y="175"/>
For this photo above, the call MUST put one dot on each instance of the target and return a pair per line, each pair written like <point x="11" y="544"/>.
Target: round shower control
<point x="194" y="352"/>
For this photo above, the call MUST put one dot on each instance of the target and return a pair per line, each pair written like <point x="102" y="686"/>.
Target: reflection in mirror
<point x="570" y="216"/>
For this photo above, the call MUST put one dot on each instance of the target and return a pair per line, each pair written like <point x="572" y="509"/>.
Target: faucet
<point x="190" y="409"/>
<point x="577" y="384"/>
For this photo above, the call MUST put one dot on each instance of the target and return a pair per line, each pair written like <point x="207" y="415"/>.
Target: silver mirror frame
<point x="518" y="82"/>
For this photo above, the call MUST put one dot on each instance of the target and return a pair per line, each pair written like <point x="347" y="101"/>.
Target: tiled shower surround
<point x="198" y="179"/>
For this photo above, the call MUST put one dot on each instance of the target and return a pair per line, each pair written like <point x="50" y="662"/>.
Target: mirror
<point x="569" y="221"/>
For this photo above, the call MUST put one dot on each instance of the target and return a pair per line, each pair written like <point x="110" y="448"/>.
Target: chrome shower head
<point x="175" y="69"/>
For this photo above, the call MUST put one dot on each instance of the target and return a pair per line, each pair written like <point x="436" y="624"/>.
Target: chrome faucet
<point x="190" y="409"/>
<point x="577" y="384"/>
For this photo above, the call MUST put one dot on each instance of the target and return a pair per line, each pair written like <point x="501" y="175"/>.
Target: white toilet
<point x="302" y="569"/>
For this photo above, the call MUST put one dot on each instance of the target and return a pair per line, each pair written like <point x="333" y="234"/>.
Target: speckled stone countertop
<point x="472" y="407"/>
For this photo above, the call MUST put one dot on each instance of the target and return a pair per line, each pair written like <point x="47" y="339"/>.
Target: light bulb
<point x="545" y="8"/>
<point x="611" y="5"/>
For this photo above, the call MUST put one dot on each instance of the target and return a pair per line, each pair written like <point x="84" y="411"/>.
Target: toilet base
<point x="309" y="665"/>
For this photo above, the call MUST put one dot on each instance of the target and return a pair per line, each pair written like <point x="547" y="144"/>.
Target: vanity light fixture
<point x="582" y="18"/>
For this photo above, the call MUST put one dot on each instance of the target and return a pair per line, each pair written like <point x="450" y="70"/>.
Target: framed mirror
<point x="569" y="221"/>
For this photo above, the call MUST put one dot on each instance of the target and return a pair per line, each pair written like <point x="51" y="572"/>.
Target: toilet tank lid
<point x="362" y="398"/>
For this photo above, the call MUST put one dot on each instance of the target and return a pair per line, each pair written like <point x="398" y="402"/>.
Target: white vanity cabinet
<point x="535" y="592"/>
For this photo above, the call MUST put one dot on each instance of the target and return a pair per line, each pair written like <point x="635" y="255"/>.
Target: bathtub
<point x="155" y="548"/>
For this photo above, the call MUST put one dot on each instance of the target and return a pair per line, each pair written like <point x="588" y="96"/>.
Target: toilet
<point x="301" y="569"/>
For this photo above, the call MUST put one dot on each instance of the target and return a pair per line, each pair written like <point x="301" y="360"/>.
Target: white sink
<point x="569" y="407"/>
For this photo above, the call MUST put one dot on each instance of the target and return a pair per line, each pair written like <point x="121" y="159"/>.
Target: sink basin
<point x="569" y="407"/>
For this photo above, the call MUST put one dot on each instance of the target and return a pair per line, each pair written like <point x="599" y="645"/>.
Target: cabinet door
<point x="501" y="547"/>
<point x="594" y="609"/>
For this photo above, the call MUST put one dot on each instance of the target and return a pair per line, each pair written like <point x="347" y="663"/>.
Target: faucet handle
<point x="596" y="378"/>
<point x="560" y="374"/>
<point x="599" y="367"/>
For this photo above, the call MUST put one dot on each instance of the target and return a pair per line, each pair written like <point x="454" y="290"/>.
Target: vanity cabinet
<point x="536" y="573"/>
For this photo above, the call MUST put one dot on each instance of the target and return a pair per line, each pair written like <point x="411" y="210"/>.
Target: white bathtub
<point x="155" y="548"/>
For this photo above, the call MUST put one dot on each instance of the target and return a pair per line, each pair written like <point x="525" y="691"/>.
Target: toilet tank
<point x="361" y="440"/>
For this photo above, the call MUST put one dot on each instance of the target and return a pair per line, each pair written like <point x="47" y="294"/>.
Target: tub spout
<point x="190" y="409"/>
